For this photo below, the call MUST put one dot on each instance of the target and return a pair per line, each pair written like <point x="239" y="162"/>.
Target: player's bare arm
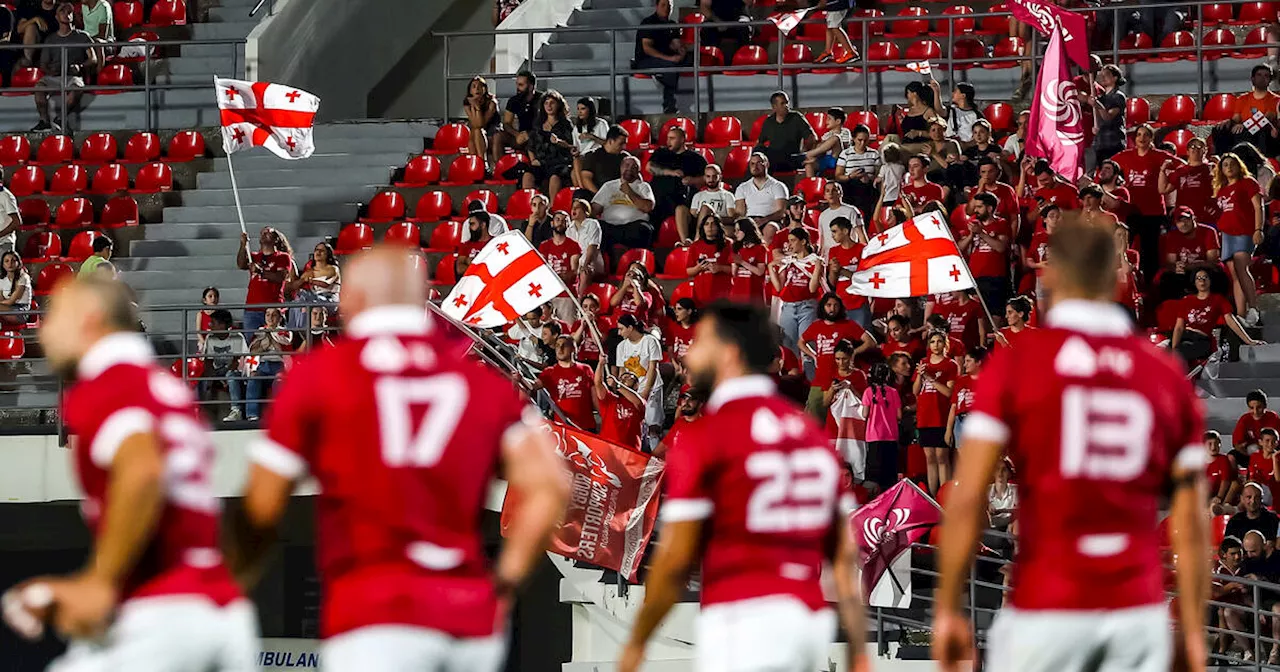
<point x="534" y="470"/>
<point x="676" y="555"/>
<point x="962" y="523"/>
<point x="1190" y="544"/>
<point x="252" y="526"/>
<point x="849" y="598"/>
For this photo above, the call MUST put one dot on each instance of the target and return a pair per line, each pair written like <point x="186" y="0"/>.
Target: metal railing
<point x="780" y="69"/>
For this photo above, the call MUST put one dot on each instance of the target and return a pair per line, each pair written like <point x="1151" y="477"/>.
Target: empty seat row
<point x="129" y="14"/>
<point x="74" y="179"/>
<point x="46" y="246"/>
<point x="77" y="213"/>
<point x="101" y="148"/>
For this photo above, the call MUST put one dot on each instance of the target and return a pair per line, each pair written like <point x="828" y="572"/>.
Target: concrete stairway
<point x="1258" y="368"/>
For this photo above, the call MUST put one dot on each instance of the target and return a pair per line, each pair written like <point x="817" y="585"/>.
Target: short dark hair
<point x="860" y="128"/>
<point x="480" y="216"/>
<point x="615" y="132"/>
<point x="221" y="316"/>
<point x="842" y="222"/>
<point x="985" y="160"/>
<point x="554" y="326"/>
<point x="748" y="328"/>
<point x="837" y="113"/>
<point x="901" y="320"/>
<point x="528" y="74"/>
<point x="1212" y="434"/>
<point x="102" y="243"/>
<point x="921" y="157"/>
<point x="939" y="322"/>
<point x="475" y="205"/>
<point x="1263" y="67"/>
<point x="779" y="94"/>
<point x="987" y="198"/>
<point x="1269" y="431"/>
<point x="1258" y="396"/>
<point x="978" y="353"/>
<point x="1041" y="166"/>
<point x="1051" y="207"/>
<point x="1091" y="190"/>
<point x="1228" y="544"/>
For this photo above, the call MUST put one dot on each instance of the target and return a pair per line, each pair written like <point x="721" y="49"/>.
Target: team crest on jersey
<point x="874" y="530"/>
<point x="1077" y="360"/>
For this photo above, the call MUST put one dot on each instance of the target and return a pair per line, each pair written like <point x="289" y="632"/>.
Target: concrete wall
<point x="415" y="87"/>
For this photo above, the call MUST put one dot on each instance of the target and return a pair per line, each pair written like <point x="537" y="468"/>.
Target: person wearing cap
<point x="1184" y="249"/>
<point x="762" y="198"/>
<point x="1190" y="182"/>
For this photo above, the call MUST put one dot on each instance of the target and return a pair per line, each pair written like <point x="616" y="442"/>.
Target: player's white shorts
<point x="777" y="634"/>
<point x="1125" y="640"/>
<point x="405" y="647"/>
<point x="168" y="634"/>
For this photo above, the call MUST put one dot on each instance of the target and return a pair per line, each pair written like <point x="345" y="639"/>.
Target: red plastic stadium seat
<point x="1177" y="110"/>
<point x="867" y="118"/>
<point x="994" y="25"/>
<point x="629" y="257"/>
<point x="486" y="197"/>
<point x="185" y="146"/>
<point x="152" y="178"/>
<point x="81" y="246"/>
<point x="882" y="51"/>
<point x="194" y="370"/>
<point x="1135" y="42"/>
<point x="735" y="164"/>
<point x="873" y="28"/>
<point x="710" y="58"/>
<point x="73" y="213"/>
<point x="142" y="148"/>
<point x="1009" y="50"/>
<point x="683" y="291"/>
<point x="114" y="74"/>
<point x="450" y="139"/>
<point x="1137" y="111"/>
<point x="751" y="54"/>
<point x="1214" y="14"/>
<point x="127" y="14"/>
<point x="24" y="78"/>
<point x="690" y="20"/>
<point x="1180" y="138"/>
<point x="958" y="17"/>
<point x="27" y="180"/>
<point x="42" y="246"/>
<point x="1258" y="36"/>
<point x="506" y="162"/>
<point x="1220" y="107"/>
<point x="797" y="53"/>
<point x="49" y="277"/>
<point x="563" y="200"/>
<point x="966" y="51"/>
<point x="520" y="205"/>
<point x="35" y="212"/>
<point x="119" y="212"/>
<point x="814" y="26"/>
<point x="722" y="131"/>
<point x="403" y="233"/>
<point x="811" y="188"/>
<point x="1000" y="116"/>
<point x="99" y="148"/>
<point x="354" y="238"/>
<point x="838" y="53"/>
<point x="1253" y="13"/>
<point x="639" y="134"/>
<point x="446" y="237"/>
<point x="56" y="149"/>
<point x="817" y="121"/>
<point x="911" y="22"/>
<point x="167" y="13"/>
<point x="676" y="265"/>
<point x="684" y="123"/>
<point x="14" y="150"/>
<point x="445" y="273"/>
<point x="1219" y="526"/>
<point x="386" y="206"/>
<point x="68" y="180"/>
<point x="603" y="293"/>
<point x="756" y="127"/>
<point x="432" y="206"/>
<point x="1183" y="41"/>
<point x="12" y="345"/>
<point x="465" y="169"/>
<point x="421" y="171"/>
<point x="1218" y="43"/>
<point x="110" y="178"/>
<point x="925" y="50"/>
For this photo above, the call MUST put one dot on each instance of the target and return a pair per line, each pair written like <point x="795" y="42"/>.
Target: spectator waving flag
<point x="1055" y="130"/>
<point x="259" y="114"/>
<point x="913" y="259"/>
<point x="1256" y="123"/>
<point x="787" y="21"/>
<point x="507" y="279"/>
<point x="885" y="528"/>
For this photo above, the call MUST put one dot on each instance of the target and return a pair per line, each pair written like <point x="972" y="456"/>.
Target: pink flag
<point x="886" y="527"/>
<point x="1045" y="17"/>
<point x="1056" y="128"/>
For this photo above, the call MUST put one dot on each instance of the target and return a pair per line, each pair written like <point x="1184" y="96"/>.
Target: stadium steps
<point x="1258" y="368"/>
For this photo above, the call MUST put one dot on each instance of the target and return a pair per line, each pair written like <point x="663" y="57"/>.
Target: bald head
<point x="383" y="276"/>
<point x="81" y="312"/>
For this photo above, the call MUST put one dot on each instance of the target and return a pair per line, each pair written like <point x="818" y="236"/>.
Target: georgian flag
<point x="787" y="21"/>
<point x="1256" y="122"/>
<point x="259" y="114"/>
<point x="922" y="67"/>
<point x="851" y="431"/>
<point x="507" y="279"/>
<point x="913" y="259"/>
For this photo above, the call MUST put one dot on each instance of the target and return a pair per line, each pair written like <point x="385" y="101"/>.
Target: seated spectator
<point x="527" y="335"/>
<point x="604" y="164"/>
<point x="842" y="261"/>
<point x="623" y="206"/>
<point x="677" y="175"/>
<point x="638" y="295"/>
<point x="985" y="243"/>
<point x="569" y="383"/>
<point x="983" y="146"/>
<point x="580" y="331"/>
<point x="483" y="121"/>
<point x="898" y="339"/>
<point x="1190" y="182"/>
<point x="1200" y="314"/>
<point x="750" y="263"/>
<point x="1240" y="221"/>
<point x="710" y="262"/>
<point x="658" y="47"/>
<point x="835" y="138"/>
<point x="102" y="251"/>
<point x="475" y="236"/>
<point x="818" y="343"/>
<point x="1221" y="472"/>
<point x="268" y="268"/>
<point x="319" y="334"/>
<point x="589" y="133"/>
<point x="269" y="345"/>
<point x="1253" y="515"/>
<point x="563" y="255"/>
<point x="989" y="174"/>
<point x="677" y="333"/>
<point x="713" y="199"/>
<point x="785" y="134"/>
<point x="10" y="218"/>
<point x="15" y="291"/>
<point x="320" y="281"/>
<point x="538" y="227"/>
<point x="640" y="353"/>
<point x="857" y="168"/>
<point x="795" y="277"/>
<point x="913" y="126"/>
<point x="1244" y="437"/>
<point x="550" y="145"/>
<point x="883" y="408"/>
<point x="960" y="114"/>
<point x="621" y="407"/>
<point x="497" y="224"/>
<point x="210" y="298"/>
<point x="36" y="20"/>
<point x="1185" y="249"/>
<point x="1230" y="563"/>
<point x="917" y="188"/>
<point x="762" y="198"/>
<point x="946" y="161"/>
<point x="81" y="61"/>
<point x="585" y="231"/>
<point x="222" y="351"/>
<point x="1254" y="119"/>
<point x="1108" y="113"/>
<point x="1013" y="144"/>
<point x="517" y="117"/>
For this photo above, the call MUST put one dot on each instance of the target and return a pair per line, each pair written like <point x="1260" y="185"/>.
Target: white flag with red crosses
<point x="913" y="259"/>
<point x="507" y="279"/>
<point x="274" y="116"/>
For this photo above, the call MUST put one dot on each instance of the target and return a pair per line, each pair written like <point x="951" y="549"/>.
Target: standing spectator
<point x="580" y="330"/>
<point x="1108" y="114"/>
<point x="659" y="47"/>
<point x="917" y="189"/>
<point x="621" y="408"/>
<point x="483" y="121"/>
<point x="835" y="138"/>
<point x="985" y="243"/>
<point x="475" y="236"/>
<point x="818" y="344"/>
<point x="1259" y="108"/>
<point x="750" y="263"/>
<point x="848" y="382"/>
<point x="1093" y="198"/>
<point x="80" y="61"/>
<point x="550" y="145"/>
<point x="1050" y="187"/>
<point x="1017" y="315"/>
<point x="1036" y="258"/>
<point x="889" y="180"/>
<point x="762" y="198"/>
<point x="677" y="175"/>
<point x="538" y="227"/>
<point x="1199" y="314"/>
<point x="837" y="36"/>
<point x="15" y="291"/>
<point x="1239" y="200"/>
<point x="1185" y="249"/>
<point x="883" y="408"/>
<point x="961" y="114"/>
<point x="688" y="410"/>
<point x="710" y="262"/>
<point x="956" y="348"/>
<point x="785" y="134"/>
<point x="934" y="379"/>
<point x="913" y="126"/>
<point x="98" y="20"/>
<point x="725" y="11"/>
<point x="1244" y="437"/>
<point x="797" y="218"/>
<point x="962" y="395"/>
<point x="268" y="269"/>
<point x="1002" y="499"/>
<point x="268" y="346"/>
<point x="842" y="261"/>
<point x="222" y="351"/>
<point x="585" y="231"/>
<point x="517" y="117"/>
<point x="102" y="250"/>
<point x="989" y="173"/>
<point x="638" y="295"/>
<point x="569" y="384"/>
<point x="1191" y="183"/>
<point x="1141" y="169"/>
<point x="495" y="224"/>
<point x="10" y="218"/>
<point x="714" y="199"/>
<point x="1252" y="515"/>
<point x="794" y="278"/>
<point x="678" y="332"/>
<point x="37" y="19"/>
<point x="623" y="206"/>
<point x="640" y="354"/>
<point x="209" y="298"/>
<point x="833" y="196"/>
<point x="898" y="339"/>
<point x="564" y="255"/>
<point x="589" y="135"/>
<point x="605" y="163"/>
<point x="856" y="170"/>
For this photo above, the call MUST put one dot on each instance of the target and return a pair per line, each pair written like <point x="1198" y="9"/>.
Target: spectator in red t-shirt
<point x="964" y="319"/>
<point x="842" y="262"/>
<point x="1191" y="183"/>
<point x="1263" y="467"/>
<point x="688" y="410"/>
<point x="621" y="408"/>
<point x="1036" y="256"/>
<point x="638" y="295"/>
<point x="986" y="245"/>
<point x="268" y="268"/>
<point x="818" y="343"/>
<point x="917" y="189"/>
<point x="678" y="332"/>
<point x="1240" y="221"/>
<point x="563" y="255"/>
<point x="899" y="339"/>
<point x="935" y="379"/>
<point x="1245" y="435"/>
<point x="1201" y="313"/>
<point x="569" y="384"/>
<point x="1050" y="188"/>
<point x="1017" y="313"/>
<point x="209" y="297"/>
<point x="962" y="395"/>
<point x="750" y="263"/>
<point x="989" y="174"/>
<point x="956" y="348"/>
<point x="795" y="277"/>
<point x="1185" y="249"/>
<point x="710" y="262"/>
<point x="1222" y="472"/>
<point x="1141" y="169"/>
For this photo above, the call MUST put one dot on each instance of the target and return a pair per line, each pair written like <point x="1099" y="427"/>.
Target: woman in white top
<point x="588" y="135"/>
<point x="1002" y="499"/>
<point x="15" y="291"/>
<point x="320" y="281"/>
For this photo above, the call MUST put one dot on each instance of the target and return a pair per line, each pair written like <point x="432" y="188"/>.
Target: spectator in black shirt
<point x="604" y="164"/>
<point x="1253" y="516"/>
<point x="1108" y="111"/>
<point x="785" y="134"/>
<point x="724" y="11"/>
<point x="36" y="21"/>
<point x="518" y="118"/>
<point x="550" y="145"/>
<point x="677" y="176"/>
<point x="538" y="227"/>
<point x="658" y="45"/>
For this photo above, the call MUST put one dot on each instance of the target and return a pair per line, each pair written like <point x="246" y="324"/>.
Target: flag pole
<point x="982" y="301"/>
<point x="231" y="168"/>
<point x="582" y="313"/>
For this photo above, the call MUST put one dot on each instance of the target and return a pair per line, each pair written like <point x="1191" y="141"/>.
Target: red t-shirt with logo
<point x="1205" y="314"/>
<point x="847" y="258"/>
<point x="1235" y="207"/>
<point x="795" y="278"/>
<point x="932" y="406"/>
<point x="920" y="196"/>
<point x="262" y="290"/>
<point x="1248" y="428"/>
<point x="620" y="420"/>
<point x="984" y="260"/>
<point x="913" y="348"/>
<point x="1193" y="188"/>
<point x="1142" y="178"/>
<point x="823" y="336"/>
<point x="560" y="256"/>
<point x="1059" y="194"/>
<point x="1193" y="248"/>
<point x="1006" y="199"/>
<point x="746" y="286"/>
<point x="571" y="388"/>
<point x="710" y="286"/>
<point x="962" y="319"/>
<point x="1038" y="251"/>
<point x="962" y="394"/>
<point x="678" y="339"/>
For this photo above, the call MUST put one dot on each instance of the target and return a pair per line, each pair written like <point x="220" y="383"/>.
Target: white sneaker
<point x="233" y="416"/>
<point x="1251" y="317"/>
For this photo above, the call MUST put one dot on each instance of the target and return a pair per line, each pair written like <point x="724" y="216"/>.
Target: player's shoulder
<point x="763" y="419"/>
<point x="122" y="386"/>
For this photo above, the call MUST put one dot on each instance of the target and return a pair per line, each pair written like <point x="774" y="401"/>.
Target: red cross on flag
<point x="913" y="259"/>
<point x="507" y="279"/>
<point x="258" y="114"/>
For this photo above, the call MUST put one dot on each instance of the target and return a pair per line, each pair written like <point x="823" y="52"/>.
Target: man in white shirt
<point x="497" y="223"/>
<point x="713" y="200"/>
<point x="623" y="206"/>
<point x="10" y="219"/>
<point x="640" y="353"/>
<point x="762" y="198"/>
<point x="585" y="231"/>
<point x="833" y="194"/>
